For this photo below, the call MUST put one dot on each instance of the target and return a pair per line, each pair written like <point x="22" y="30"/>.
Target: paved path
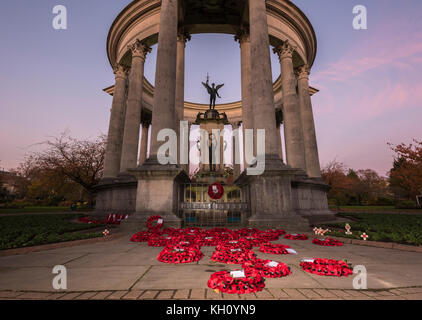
<point x="119" y="269"/>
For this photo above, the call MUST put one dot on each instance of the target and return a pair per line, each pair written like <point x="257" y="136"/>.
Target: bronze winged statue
<point x="213" y="92"/>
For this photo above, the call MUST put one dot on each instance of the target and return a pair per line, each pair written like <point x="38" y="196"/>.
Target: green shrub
<point x="398" y="228"/>
<point x="406" y="204"/>
<point x="32" y="230"/>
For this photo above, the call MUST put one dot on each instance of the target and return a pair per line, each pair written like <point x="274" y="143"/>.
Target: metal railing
<point x="196" y="208"/>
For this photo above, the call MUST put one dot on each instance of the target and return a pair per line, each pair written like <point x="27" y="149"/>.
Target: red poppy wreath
<point x="157" y="226"/>
<point x="243" y="281"/>
<point x="180" y="254"/>
<point x="294" y="236"/>
<point x="216" y="191"/>
<point x="233" y="256"/>
<point x="268" y="268"/>
<point x="274" y="248"/>
<point x="328" y="242"/>
<point x="326" y="267"/>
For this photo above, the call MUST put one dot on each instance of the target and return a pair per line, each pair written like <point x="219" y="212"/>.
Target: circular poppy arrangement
<point x="254" y="242"/>
<point x="180" y="254"/>
<point x="269" y="268"/>
<point x="233" y="256"/>
<point x="157" y="226"/>
<point x="160" y="241"/>
<point x="326" y="267"/>
<point x="269" y="235"/>
<point x="274" y="248"/>
<point x="142" y="236"/>
<point x="227" y="282"/>
<point x="209" y="241"/>
<point x="216" y="191"/>
<point x="234" y="244"/>
<point x="294" y="236"/>
<point x="328" y="242"/>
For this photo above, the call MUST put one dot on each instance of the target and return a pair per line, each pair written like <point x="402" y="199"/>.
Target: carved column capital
<point x="303" y="72"/>
<point x="139" y="49"/>
<point x="120" y="71"/>
<point x="183" y="36"/>
<point x="242" y="35"/>
<point x="145" y="123"/>
<point x="285" y="50"/>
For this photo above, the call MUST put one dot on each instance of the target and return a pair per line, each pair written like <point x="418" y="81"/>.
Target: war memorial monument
<point x="288" y="193"/>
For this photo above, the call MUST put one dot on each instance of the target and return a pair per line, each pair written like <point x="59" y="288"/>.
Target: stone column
<point x="115" y="130"/>
<point x="295" y="152"/>
<point x="133" y="111"/>
<point x="262" y="98"/>
<point x="280" y="144"/>
<point x="236" y="151"/>
<point x="313" y="168"/>
<point x="158" y="192"/>
<point x="182" y="38"/>
<point x="245" y="58"/>
<point x="270" y="194"/>
<point x="143" y="150"/>
<point x="165" y="76"/>
<point x="186" y="167"/>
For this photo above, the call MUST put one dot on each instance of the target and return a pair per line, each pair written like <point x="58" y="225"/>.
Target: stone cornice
<point x="283" y="10"/>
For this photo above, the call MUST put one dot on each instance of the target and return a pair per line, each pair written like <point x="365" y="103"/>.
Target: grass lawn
<point x="39" y="210"/>
<point x="403" y="228"/>
<point x="32" y="230"/>
<point x="375" y="209"/>
<point x="36" y="210"/>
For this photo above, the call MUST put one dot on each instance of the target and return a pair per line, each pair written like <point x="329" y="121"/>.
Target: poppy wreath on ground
<point x="246" y="231"/>
<point x="269" y="268"/>
<point x="255" y="242"/>
<point x="326" y="267"/>
<point x="142" y="236"/>
<point x="227" y="236"/>
<point x="266" y="235"/>
<point x="180" y="254"/>
<point x="328" y="242"/>
<point x="157" y="226"/>
<point x="234" y="244"/>
<point x="274" y="248"/>
<point x="216" y="191"/>
<point x="233" y="256"/>
<point x="209" y="241"/>
<point x="161" y="241"/>
<point x="226" y="282"/>
<point x="295" y="236"/>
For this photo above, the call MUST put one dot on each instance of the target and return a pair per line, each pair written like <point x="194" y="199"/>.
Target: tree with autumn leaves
<point x="360" y="187"/>
<point x="367" y="187"/>
<point x="67" y="168"/>
<point x="406" y="174"/>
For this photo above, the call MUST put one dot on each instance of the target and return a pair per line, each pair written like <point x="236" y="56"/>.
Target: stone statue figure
<point x="213" y="92"/>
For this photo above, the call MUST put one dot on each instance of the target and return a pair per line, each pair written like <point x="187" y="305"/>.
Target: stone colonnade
<point x="257" y="97"/>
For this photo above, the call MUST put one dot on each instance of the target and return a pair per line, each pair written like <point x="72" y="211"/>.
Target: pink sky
<point x="370" y="81"/>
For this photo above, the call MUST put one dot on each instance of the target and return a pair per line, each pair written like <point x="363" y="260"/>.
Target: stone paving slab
<point x="117" y="295"/>
<point x="120" y="269"/>
<point x="182" y="294"/>
<point x="199" y="294"/>
<point x="101" y="295"/>
<point x="149" y="295"/>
